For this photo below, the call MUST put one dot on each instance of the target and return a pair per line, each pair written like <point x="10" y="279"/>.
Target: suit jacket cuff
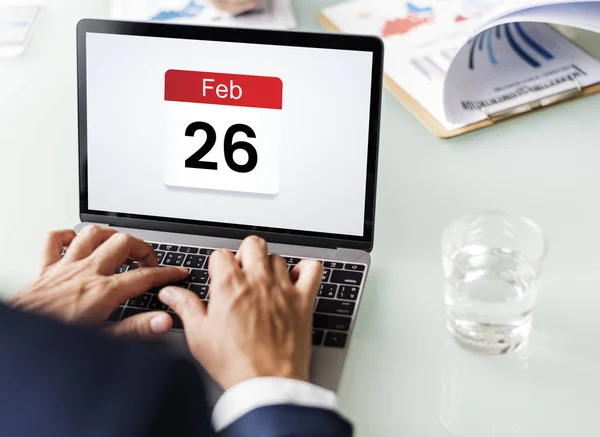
<point x="256" y="393"/>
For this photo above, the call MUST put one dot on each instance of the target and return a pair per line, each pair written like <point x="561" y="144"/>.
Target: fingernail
<point x="159" y="324"/>
<point x="167" y="295"/>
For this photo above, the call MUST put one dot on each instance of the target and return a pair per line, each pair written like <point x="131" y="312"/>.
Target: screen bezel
<point x="265" y="37"/>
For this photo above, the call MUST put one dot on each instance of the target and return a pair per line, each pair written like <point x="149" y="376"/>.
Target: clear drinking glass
<point x="492" y="263"/>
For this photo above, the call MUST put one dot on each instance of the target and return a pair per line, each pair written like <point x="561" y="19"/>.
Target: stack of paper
<point x="17" y="21"/>
<point x="457" y="60"/>
<point x="271" y="14"/>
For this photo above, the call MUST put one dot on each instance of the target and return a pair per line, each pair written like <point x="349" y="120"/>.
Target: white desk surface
<point x="403" y="376"/>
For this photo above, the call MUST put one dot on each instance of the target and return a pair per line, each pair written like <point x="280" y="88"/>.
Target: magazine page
<point x="585" y="16"/>
<point x="582" y="14"/>
<point x="511" y="65"/>
<point x="421" y="38"/>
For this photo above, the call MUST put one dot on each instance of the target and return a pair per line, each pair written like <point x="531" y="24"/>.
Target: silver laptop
<point x="193" y="138"/>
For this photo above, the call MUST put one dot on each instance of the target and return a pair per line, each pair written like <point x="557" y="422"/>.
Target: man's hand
<point x="235" y="7"/>
<point x="259" y="320"/>
<point x="81" y="286"/>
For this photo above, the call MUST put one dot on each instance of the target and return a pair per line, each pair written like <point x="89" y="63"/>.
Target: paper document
<point x="15" y="23"/>
<point x="270" y="14"/>
<point x="511" y="65"/>
<point x="457" y="57"/>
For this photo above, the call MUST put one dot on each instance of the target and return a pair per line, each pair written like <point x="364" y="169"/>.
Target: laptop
<point x="193" y="138"/>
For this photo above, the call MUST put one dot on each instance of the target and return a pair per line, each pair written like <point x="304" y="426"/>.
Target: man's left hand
<point x="81" y="286"/>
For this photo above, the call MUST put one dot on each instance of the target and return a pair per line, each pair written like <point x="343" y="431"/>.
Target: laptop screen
<point x="265" y="136"/>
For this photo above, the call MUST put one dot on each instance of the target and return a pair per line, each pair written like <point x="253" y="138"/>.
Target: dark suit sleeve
<point x="64" y="381"/>
<point x="289" y="421"/>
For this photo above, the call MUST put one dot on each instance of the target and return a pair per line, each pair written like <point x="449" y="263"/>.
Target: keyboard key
<point x="154" y="245"/>
<point x="346" y="277"/>
<point x="134" y="265"/>
<point x="317" y="337"/>
<point x="198" y="276"/>
<point x="355" y="267"/>
<point x="335" y="339"/>
<point x="194" y="261"/>
<point x="114" y="317"/>
<point x="327" y="290"/>
<point x="335" y="307"/>
<point x="173" y="259"/>
<point x="169" y="247"/>
<point x="326" y="321"/>
<point x="121" y="269"/>
<point x="348" y="293"/>
<point x="188" y="249"/>
<point x="155" y="290"/>
<point x="200" y="290"/>
<point x="157" y="305"/>
<point x="333" y="265"/>
<point x="160" y="256"/>
<point x="140" y="301"/>
<point x="177" y="323"/>
<point x="291" y="261"/>
<point x="129" y="312"/>
<point x="206" y="251"/>
<point x="326" y="275"/>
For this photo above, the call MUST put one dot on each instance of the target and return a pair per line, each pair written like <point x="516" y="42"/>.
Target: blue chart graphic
<point x="417" y="10"/>
<point x="522" y="49"/>
<point x="192" y="9"/>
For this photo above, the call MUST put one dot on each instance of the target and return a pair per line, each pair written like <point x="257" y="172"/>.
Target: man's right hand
<point x="259" y="320"/>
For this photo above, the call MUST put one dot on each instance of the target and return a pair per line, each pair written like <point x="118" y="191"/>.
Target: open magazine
<point x="465" y="60"/>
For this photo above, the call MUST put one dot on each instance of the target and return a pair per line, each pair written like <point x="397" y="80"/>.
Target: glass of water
<point x="492" y="264"/>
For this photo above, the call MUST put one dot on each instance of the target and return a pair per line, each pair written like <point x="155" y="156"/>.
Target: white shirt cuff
<point x="255" y="393"/>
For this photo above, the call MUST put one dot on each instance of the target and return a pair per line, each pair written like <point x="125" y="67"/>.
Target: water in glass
<point x="490" y="294"/>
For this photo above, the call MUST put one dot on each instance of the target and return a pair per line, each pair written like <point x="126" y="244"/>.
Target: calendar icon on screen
<point x="223" y="131"/>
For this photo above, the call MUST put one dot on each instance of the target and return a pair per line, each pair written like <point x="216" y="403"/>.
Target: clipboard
<point x="492" y="117"/>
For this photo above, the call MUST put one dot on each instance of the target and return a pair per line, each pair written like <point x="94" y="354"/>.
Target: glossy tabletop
<point x="403" y="377"/>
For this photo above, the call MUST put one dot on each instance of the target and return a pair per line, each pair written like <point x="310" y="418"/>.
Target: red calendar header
<point x="224" y="89"/>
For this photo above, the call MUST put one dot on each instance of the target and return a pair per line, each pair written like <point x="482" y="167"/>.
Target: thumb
<point x="146" y="325"/>
<point x="186" y="304"/>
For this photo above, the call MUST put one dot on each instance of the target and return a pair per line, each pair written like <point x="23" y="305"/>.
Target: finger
<point x="280" y="270"/>
<point x="307" y="275"/>
<point x="133" y="283"/>
<point x="88" y="240"/>
<point x="54" y="244"/>
<point x="186" y="304"/>
<point x="254" y="258"/>
<point x="223" y="268"/>
<point x="118" y="249"/>
<point x="148" y="325"/>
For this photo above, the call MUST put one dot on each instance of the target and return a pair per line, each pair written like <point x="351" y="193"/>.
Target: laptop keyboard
<point x="335" y="306"/>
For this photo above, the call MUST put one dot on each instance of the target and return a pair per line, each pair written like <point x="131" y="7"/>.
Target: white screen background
<point x="325" y="120"/>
